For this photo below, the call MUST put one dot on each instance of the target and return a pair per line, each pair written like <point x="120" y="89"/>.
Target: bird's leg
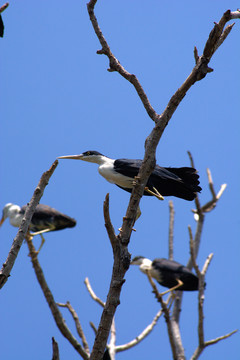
<point x="155" y="193"/>
<point x="40" y="232"/>
<point x="42" y="242"/>
<point x="180" y="283"/>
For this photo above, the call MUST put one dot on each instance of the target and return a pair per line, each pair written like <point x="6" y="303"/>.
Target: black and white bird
<point x="180" y="182"/>
<point x="44" y="219"/>
<point x="168" y="273"/>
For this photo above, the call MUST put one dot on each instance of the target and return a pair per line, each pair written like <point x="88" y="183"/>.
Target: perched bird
<point x="180" y="182"/>
<point x="44" y="219"/>
<point x="168" y="273"/>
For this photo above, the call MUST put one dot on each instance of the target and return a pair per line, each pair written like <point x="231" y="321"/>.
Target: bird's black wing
<point x="127" y="167"/>
<point x="171" y="271"/>
<point x="46" y="217"/>
<point x="180" y="182"/>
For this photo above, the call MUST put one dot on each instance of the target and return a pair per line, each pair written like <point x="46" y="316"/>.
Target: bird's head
<point x="9" y="210"/>
<point x="144" y="263"/>
<point x="137" y="260"/>
<point x="90" y="156"/>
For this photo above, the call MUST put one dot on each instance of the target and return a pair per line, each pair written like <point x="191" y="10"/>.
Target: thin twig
<point x="170" y="233"/>
<point x="114" y="64"/>
<point x="199" y="350"/>
<point x="93" y="327"/>
<point x="77" y="324"/>
<point x="51" y="302"/>
<point x="92" y="293"/>
<point x="166" y="315"/>
<point x="17" y="242"/>
<point x="192" y="253"/>
<point x="141" y="336"/>
<point x="212" y="203"/>
<point x="3" y="7"/>
<point x="214" y="341"/>
<point x="197" y="201"/>
<point x="112" y="342"/>
<point x="108" y="223"/>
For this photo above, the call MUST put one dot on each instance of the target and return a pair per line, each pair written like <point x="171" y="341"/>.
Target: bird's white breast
<point x="16" y="219"/>
<point x="108" y="172"/>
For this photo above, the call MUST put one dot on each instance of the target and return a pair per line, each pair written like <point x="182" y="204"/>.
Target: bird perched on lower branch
<point x="44" y="219"/>
<point x="168" y="273"/>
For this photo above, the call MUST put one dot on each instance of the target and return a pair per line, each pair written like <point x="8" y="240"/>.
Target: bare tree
<point x="120" y="242"/>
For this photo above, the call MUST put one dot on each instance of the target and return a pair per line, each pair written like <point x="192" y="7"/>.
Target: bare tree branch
<point x="93" y="327"/>
<point x="199" y="215"/>
<point x="135" y="341"/>
<point x="112" y="342"/>
<point x="141" y="336"/>
<point x="78" y="325"/>
<point x="92" y="293"/>
<point x="170" y="232"/>
<point x="235" y="14"/>
<point x="55" y="350"/>
<point x="114" y="64"/>
<point x="214" y="341"/>
<point x="121" y="255"/>
<point x="192" y="252"/>
<point x="212" y="203"/>
<point x="17" y="242"/>
<point x="108" y="223"/>
<point x="3" y="7"/>
<point x="170" y="329"/>
<point x="51" y="302"/>
<point x="199" y="350"/>
<point x="201" y="278"/>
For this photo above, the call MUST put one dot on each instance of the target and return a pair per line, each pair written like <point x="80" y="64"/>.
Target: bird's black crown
<point x="136" y="258"/>
<point x="91" y="152"/>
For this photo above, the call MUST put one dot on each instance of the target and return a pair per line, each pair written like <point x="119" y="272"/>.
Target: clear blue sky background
<point x="57" y="99"/>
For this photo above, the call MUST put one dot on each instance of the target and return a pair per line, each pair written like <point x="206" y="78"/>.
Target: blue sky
<point x="57" y="99"/>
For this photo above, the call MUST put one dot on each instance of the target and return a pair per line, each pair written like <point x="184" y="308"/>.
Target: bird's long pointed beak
<point x="74" y="157"/>
<point x="2" y="221"/>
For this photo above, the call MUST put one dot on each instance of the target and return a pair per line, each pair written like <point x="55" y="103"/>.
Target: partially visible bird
<point x="180" y="182"/>
<point x="168" y="273"/>
<point x="44" y="219"/>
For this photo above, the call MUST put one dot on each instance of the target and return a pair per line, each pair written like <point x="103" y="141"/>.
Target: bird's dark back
<point x="171" y="271"/>
<point x="46" y="217"/>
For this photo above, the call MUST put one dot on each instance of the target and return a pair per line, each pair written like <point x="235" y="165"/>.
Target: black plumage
<point x="170" y="271"/>
<point x="180" y="182"/>
<point x="46" y="217"/>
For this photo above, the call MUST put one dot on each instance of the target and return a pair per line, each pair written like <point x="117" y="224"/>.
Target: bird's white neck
<point x="13" y="212"/>
<point x="99" y="159"/>
<point x="146" y="265"/>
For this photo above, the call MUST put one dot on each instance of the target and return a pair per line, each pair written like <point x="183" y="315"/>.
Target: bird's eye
<point x="88" y="153"/>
